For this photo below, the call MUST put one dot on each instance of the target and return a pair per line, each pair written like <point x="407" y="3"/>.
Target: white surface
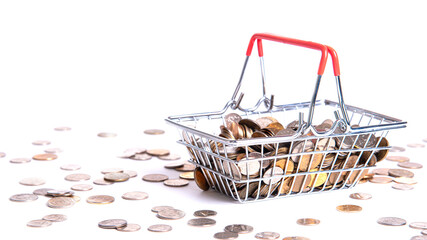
<point x="123" y="66"/>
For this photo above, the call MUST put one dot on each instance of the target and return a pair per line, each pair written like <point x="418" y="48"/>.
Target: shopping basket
<point x="270" y="151"/>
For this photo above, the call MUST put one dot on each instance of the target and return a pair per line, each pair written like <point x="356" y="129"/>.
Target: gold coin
<point x="116" y="177"/>
<point x="349" y="208"/>
<point x="154" y="131"/>
<point x="320" y="179"/>
<point x="187" y="175"/>
<point x="405" y="180"/>
<point x="45" y="157"/>
<point x="381" y="180"/>
<point x="100" y="199"/>
<point x="308" y="221"/>
<point x="158" y="152"/>
<point x="200" y="179"/>
<point x="398" y="158"/>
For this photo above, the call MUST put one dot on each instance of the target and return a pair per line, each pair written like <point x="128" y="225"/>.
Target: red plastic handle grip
<point x="291" y="41"/>
<point x="335" y="62"/>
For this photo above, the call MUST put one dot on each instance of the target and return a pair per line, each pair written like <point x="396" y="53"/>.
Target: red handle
<point x="266" y="36"/>
<point x="335" y="62"/>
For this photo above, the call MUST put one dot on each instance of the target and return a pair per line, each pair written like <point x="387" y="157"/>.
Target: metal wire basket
<point x="302" y="158"/>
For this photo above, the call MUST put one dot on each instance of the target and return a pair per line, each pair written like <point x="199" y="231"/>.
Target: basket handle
<point x="307" y="44"/>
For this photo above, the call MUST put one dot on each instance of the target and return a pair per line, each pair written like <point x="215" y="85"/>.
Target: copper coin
<point x="410" y="165"/>
<point x="187" y="175"/>
<point x="154" y="131"/>
<point x="204" y="213"/>
<point x="200" y="179"/>
<point x="239" y="228"/>
<point x="116" y="177"/>
<point x="381" y="171"/>
<point x="53" y="150"/>
<point x="201" y="222"/>
<point x="267" y="235"/>
<point x="296" y="238"/>
<point x="158" y="152"/>
<point x="70" y="167"/>
<point x="400" y="173"/>
<point x="419" y="225"/>
<point x="405" y="180"/>
<point x="60" y="202"/>
<point x="82" y="187"/>
<point x="170" y="214"/>
<point x="111" y="170"/>
<point x="361" y="196"/>
<point x="100" y="199"/>
<point x="32" y="181"/>
<point x="175" y="164"/>
<point x="42" y="191"/>
<point x="380" y="180"/>
<point x="41" y="142"/>
<point x="159" y="228"/>
<point x="39" y="223"/>
<point x="391" y="221"/>
<point x="160" y="208"/>
<point x="45" y="157"/>
<point x="107" y="135"/>
<point x="112" y="223"/>
<point x="141" y="157"/>
<point x="403" y="187"/>
<point x="308" y="221"/>
<point x="415" y="145"/>
<point x="398" y="158"/>
<point x="76" y="177"/>
<point x="135" y="195"/>
<point x="397" y="149"/>
<point x="102" y="181"/>
<point x="186" y="167"/>
<point x="226" y="235"/>
<point x="155" y="177"/>
<point x="62" y="129"/>
<point x="20" y="160"/>
<point x="130" y="227"/>
<point x="23" y="197"/>
<point x="349" y="208"/>
<point x="55" y="217"/>
<point x="176" y="182"/>
<point x="170" y="157"/>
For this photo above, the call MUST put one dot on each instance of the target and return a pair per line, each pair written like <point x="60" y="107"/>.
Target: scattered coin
<point x="53" y="150"/>
<point x="131" y="173"/>
<point x="391" y="221"/>
<point x="2" y="154"/>
<point x="201" y="222"/>
<point x="60" y="202"/>
<point x="154" y="131"/>
<point x="100" y="199"/>
<point x="170" y="157"/>
<point x="158" y="152"/>
<point x="397" y="149"/>
<point x="128" y="153"/>
<point x="381" y="180"/>
<point x="425" y="231"/>
<point x="420" y="237"/>
<point x="82" y="187"/>
<point x="405" y="180"/>
<point x="400" y="173"/>
<point x="41" y="142"/>
<point x="398" y="158"/>
<point x="155" y="177"/>
<point x="187" y="175"/>
<point x="170" y="214"/>
<point x="42" y="191"/>
<point x="415" y="145"/>
<point x="23" y="197"/>
<point x="76" y="177"/>
<point x="70" y="167"/>
<point x="39" y="223"/>
<point x="296" y="238"/>
<point x="419" y="225"/>
<point x="308" y="221"/>
<point x="107" y="135"/>
<point x="62" y="129"/>
<point x="20" y="160"/>
<point x="112" y="170"/>
<point x="381" y="171"/>
<point x="403" y="187"/>
<point x="267" y="235"/>
<point x="45" y="157"/>
<point x="116" y="177"/>
<point x="130" y="227"/>
<point x="59" y="193"/>
<point x="112" y="223"/>
<point x="55" y="217"/>
<point x="159" y="228"/>
<point x="160" y="208"/>
<point x="410" y="165"/>
<point x="187" y="167"/>
<point x="239" y="228"/>
<point x="135" y="196"/>
<point x="32" y="181"/>
<point x="141" y="157"/>
<point x="226" y="235"/>
<point x="361" y="196"/>
<point x="200" y="179"/>
<point x="349" y="208"/>
<point x="102" y="181"/>
<point x="176" y="182"/>
<point x="175" y="164"/>
<point x="204" y="213"/>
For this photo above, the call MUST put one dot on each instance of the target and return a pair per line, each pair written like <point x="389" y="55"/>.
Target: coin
<point x="130" y="227"/>
<point x="70" y="167"/>
<point x="59" y="193"/>
<point x="239" y="228"/>
<point x="112" y="223"/>
<point x="415" y="145"/>
<point x="187" y="175"/>
<point x="45" y="157"/>
<point x="42" y="191"/>
<point x="62" y="128"/>
<point x="82" y="187"/>
<point x="116" y="177"/>
<point x="176" y="182"/>
<point x="175" y="164"/>
<point x="419" y="225"/>
<point x="381" y="180"/>
<point x="361" y="196"/>
<point x="248" y="168"/>
<point x="391" y="221"/>
<point x="159" y="228"/>
<point x="381" y="171"/>
<point x="308" y="221"/>
<point x="349" y="208"/>
<point x="420" y="237"/>
<point x="131" y="173"/>
<point x="23" y="197"/>
<point x="226" y="235"/>
<point x="170" y="157"/>
<point x="132" y="152"/>
<point x="20" y="160"/>
<point x="41" y="142"/>
<point x="397" y="149"/>
<point x="267" y="235"/>
<point x="201" y="222"/>
<point x="425" y="231"/>
<point x="187" y="167"/>
<point x="410" y="165"/>
<point x="60" y="202"/>
<point x="135" y="195"/>
<point x="154" y="131"/>
<point x="102" y="181"/>
<point x="32" y="181"/>
<point x="55" y="217"/>
<point x="53" y="150"/>
<point x="296" y="238"/>
<point x="107" y="135"/>
<point x="158" y="152"/>
<point x="204" y="213"/>
<point x="76" y="177"/>
<point x="141" y="157"/>
<point x="160" y="208"/>
<point x="200" y="179"/>
<point x="100" y="199"/>
<point x="111" y="170"/>
<point x="230" y="118"/>
<point x="400" y="173"/>
<point x="39" y="223"/>
<point x="403" y="187"/>
<point x="398" y="158"/>
<point x="405" y="180"/>
<point x="170" y="214"/>
<point x="2" y="154"/>
<point x="154" y="177"/>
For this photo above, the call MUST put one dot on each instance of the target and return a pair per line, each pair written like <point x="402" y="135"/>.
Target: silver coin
<point x="112" y="223"/>
<point x="2" y="154"/>
<point x="175" y="164"/>
<point x="107" y="135"/>
<point x="32" y="181"/>
<point x="135" y="196"/>
<point x="201" y="222"/>
<point x="60" y="202"/>
<point x="82" y="187"/>
<point x="141" y="157"/>
<point x="55" y="217"/>
<point x="62" y="128"/>
<point x="170" y="214"/>
<point x="397" y="149"/>
<point x="76" y="177"/>
<point x="239" y="228"/>
<point x="420" y="237"/>
<point x="23" y="197"/>
<point x="176" y="182"/>
<point x="170" y="157"/>
<point x="102" y="181"/>
<point x="155" y="177"/>
<point x="41" y="142"/>
<point x="226" y="235"/>
<point x="267" y="235"/>
<point x="131" y="173"/>
<point x="419" y="225"/>
<point x="415" y="145"/>
<point x="205" y="213"/>
<point x="59" y="193"/>
<point x="361" y="196"/>
<point x="112" y="170"/>
<point x="70" y="167"/>
<point x="116" y="177"/>
<point x="20" y="160"/>
<point x="391" y="221"/>
<point x="42" y="191"/>
<point x="130" y="227"/>
<point x="159" y="228"/>
<point x="132" y="151"/>
<point x="160" y="208"/>
<point x="39" y="223"/>
<point x="53" y="150"/>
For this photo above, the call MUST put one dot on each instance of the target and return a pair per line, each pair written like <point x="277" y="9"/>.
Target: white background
<point x="124" y="66"/>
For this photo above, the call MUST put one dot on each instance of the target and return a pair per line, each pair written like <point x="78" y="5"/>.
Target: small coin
<point x="267" y="235"/>
<point x="176" y="182"/>
<point x="187" y="175"/>
<point x="100" y="199"/>
<point x="296" y="238"/>
<point x="53" y="150"/>
<point x="107" y="135"/>
<point x="420" y="237"/>
<point x="135" y="195"/>
<point x="112" y="170"/>
<point x="32" y="181"/>
<point x="380" y="180"/>
<point x="361" y="196"/>
<point x="39" y="223"/>
<point x="160" y="208"/>
<point x="405" y="180"/>
<point x="419" y="225"/>
<point x="381" y="171"/>
<point x="410" y="165"/>
<point x="158" y="152"/>
<point x="201" y="222"/>
<point x="55" y="217"/>
<point x="159" y="228"/>
<point x="154" y="131"/>
<point x="45" y="157"/>
<point x="60" y="193"/>
<point x="391" y="221"/>
<point x="60" y="202"/>
<point x="155" y="177"/>
<point x="102" y="181"/>
<point x="204" y="213"/>
<point x="42" y="191"/>
<point x="116" y="177"/>
<point x="403" y="187"/>
<point x="200" y="179"/>
<point x="23" y="197"/>
<point x="349" y="208"/>
<point x="70" y="167"/>
<point x="175" y="164"/>
<point x="130" y="227"/>
<point x="141" y="157"/>
<point x="397" y="149"/>
<point x="308" y="221"/>
<point x="76" y="177"/>
<point x="400" y="173"/>
<point x="226" y="235"/>
<point x="20" y="160"/>
<point x="131" y="173"/>
<point x="425" y="231"/>
<point x="415" y="145"/>
<point x="187" y="167"/>
<point x="41" y="142"/>
<point x="239" y="228"/>
<point x="62" y="129"/>
<point x="170" y="214"/>
<point x="82" y="187"/>
<point x="398" y="158"/>
<point x="2" y="154"/>
<point x="170" y="157"/>
<point x="112" y="223"/>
